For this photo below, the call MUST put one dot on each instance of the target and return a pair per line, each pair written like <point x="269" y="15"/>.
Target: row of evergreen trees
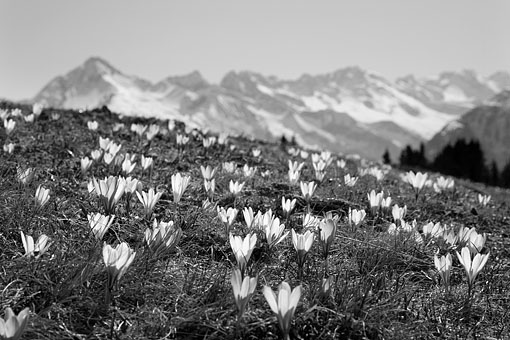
<point x="462" y="159"/>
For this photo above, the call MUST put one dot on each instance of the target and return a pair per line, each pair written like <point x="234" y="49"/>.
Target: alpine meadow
<point x="119" y="227"/>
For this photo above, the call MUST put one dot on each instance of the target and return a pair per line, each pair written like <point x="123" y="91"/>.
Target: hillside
<point x="488" y="123"/>
<point x="376" y="283"/>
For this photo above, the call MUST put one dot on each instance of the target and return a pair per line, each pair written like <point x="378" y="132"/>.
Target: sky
<point x="154" y="39"/>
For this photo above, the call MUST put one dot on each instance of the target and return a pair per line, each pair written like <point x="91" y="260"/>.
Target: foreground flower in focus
<point x="472" y="266"/>
<point x="243" y="289"/>
<point x="117" y="260"/>
<point x="12" y="326"/>
<point x="284" y="305"/>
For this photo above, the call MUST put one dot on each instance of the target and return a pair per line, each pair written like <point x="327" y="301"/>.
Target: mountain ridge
<point x="247" y="102"/>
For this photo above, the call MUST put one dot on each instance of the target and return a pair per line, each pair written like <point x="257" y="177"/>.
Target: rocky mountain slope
<point x="350" y="110"/>
<point x="488" y="123"/>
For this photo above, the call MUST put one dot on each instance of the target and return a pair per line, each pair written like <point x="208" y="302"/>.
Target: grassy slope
<point x="385" y="287"/>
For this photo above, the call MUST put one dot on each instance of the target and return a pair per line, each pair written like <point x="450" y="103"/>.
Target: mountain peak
<point x="99" y="65"/>
<point x="194" y="80"/>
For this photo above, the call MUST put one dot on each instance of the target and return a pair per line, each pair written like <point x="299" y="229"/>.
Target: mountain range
<point x="350" y="110"/>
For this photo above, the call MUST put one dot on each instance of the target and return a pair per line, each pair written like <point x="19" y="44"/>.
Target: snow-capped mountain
<point x="488" y="123"/>
<point x="350" y="110"/>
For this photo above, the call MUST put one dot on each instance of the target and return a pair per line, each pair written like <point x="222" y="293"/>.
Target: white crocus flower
<point x="42" y="196"/>
<point x="149" y="200"/>
<point x="92" y="125"/>
<point x="243" y="289"/>
<point x="287" y="206"/>
<point x="179" y="185"/>
<point x="243" y="249"/>
<point x="99" y="224"/>
<point x="35" y="249"/>
<point x="117" y="260"/>
<point x="235" y="187"/>
<point x="284" y="305"/>
<point x="472" y="266"/>
<point x="444" y="266"/>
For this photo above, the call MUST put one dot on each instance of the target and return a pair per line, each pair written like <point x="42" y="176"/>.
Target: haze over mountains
<point x="350" y="110"/>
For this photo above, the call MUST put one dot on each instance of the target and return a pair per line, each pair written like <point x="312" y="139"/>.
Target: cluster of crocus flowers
<point x="442" y="184"/>
<point x="398" y="213"/>
<point x="36" y="249"/>
<point x="355" y="217"/>
<point x="149" y="200"/>
<point x="243" y="289"/>
<point x="9" y="148"/>
<point x="417" y="181"/>
<point x="284" y="305"/>
<point x="12" y="326"/>
<point x="243" y="249"/>
<point x="163" y="237"/>
<point x="181" y="140"/>
<point x="294" y="171"/>
<point x="9" y="125"/>
<point x="139" y="129"/>
<point x="117" y="260"/>
<point x="42" y="196"/>
<point x="249" y="171"/>
<point x="99" y="224"/>
<point x="179" y="185"/>
<point x="433" y="230"/>
<point x="109" y="191"/>
<point x="209" y="142"/>
<point x="444" y="266"/>
<point x="484" y="199"/>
